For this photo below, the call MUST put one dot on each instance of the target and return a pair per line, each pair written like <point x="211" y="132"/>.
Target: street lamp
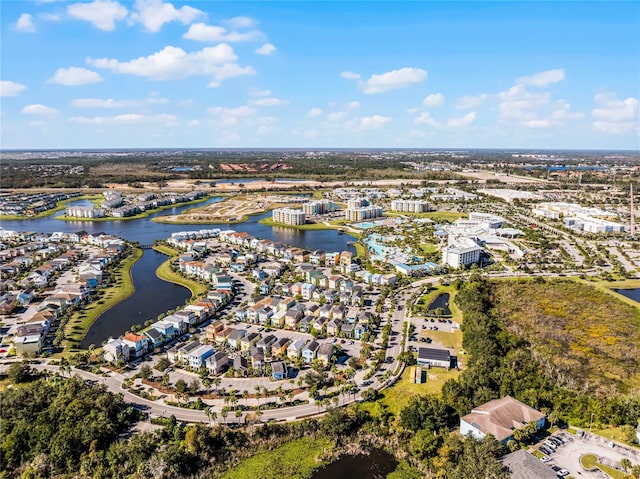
<point x="590" y="423"/>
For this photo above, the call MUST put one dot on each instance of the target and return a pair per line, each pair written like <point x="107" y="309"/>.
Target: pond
<point x="376" y="465"/>
<point x="152" y="297"/>
<point x="630" y="293"/>
<point x="441" y="301"/>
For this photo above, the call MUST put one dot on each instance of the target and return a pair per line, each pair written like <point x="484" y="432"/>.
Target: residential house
<point x="304" y="325"/>
<point x="359" y="329"/>
<point x="235" y="337"/>
<point x="278" y="370"/>
<point x="294" y="350"/>
<point x="325" y="351"/>
<point x="213" y="329"/>
<point x="155" y="337"/>
<point x="240" y="364"/>
<point x="310" y="351"/>
<point x="198" y="356"/>
<point x="116" y="350"/>
<point x="249" y="341"/>
<point x="266" y="343"/>
<point x="333" y="327"/>
<point x="217" y="363"/>
<point x="256" y="355"/>
<point x="138" y="345"/>
<point x="279" y="348"/>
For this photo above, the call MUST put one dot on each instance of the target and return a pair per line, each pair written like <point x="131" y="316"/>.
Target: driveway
<point x="567" y="456"/>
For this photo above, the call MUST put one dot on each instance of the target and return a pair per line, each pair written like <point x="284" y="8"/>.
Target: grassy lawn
<point x="589" y="461"/>
<point x="398" y="395"/>
<point x="442" y="216"/>
<point x="123" y="287"/>
<point x="427" y="248"/>
<point x="295" y="460"/>
<point x="615" y="434"/>
<point x="448" y="340"/>
<point x="425" y="300"/>
<point x="165" y="273"/>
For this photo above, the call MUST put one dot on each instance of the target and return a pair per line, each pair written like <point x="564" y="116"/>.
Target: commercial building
<point x="500" y="418"/>
<point x="434" y="357"/>
<point x="410" y="206"/>
<point x="289" y="216"/>
<point x="461" y="255"/>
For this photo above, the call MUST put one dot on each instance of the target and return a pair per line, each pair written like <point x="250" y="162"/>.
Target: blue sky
<point x="151" y="73"/>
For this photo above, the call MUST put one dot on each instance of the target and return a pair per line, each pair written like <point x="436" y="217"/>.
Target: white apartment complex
<point x="364" y="213"/>
<point x="319" y="207"/>
<point x="85" y="212"/>
<point x="487" y="220"/>
<point x="410" y="206"/>
<point x="289" y="216"/>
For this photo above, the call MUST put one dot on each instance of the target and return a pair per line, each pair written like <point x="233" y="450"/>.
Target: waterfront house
<point x="115" y="350"/>
<point x="155" y="338"/>
<point x="138" y="345"/>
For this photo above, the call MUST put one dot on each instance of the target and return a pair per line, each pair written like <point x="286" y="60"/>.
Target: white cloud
<point x="374" y="122"/>
<point x="259" y="93"/>
<point x="173" y="62"/>
<point x="543" y="79"/>
<point x="468" y="101"/>
<point x="39" y="110"/>
<point x="127" y="119"/>
<point x="74" y="76"/>
<point x="49" y="17"/>
<point x="193" y="123"/>
<point x="36" y="123"/>
<point x="336" y="116"/>
<point x="266" y="49"/>
<point x="427" y="119"/>
<point x="202" y="32"/>
<point x="11" y="88"/>
<point x="314" y="113"/>
<point x="435" y="99"/>
<point x="153" y="14"/>
<point x="25" y="23"/>
<point x="466" y="120"/>
<point x="269" y="102"/>
<point x="615" y="116"/>
<point x="350" y="75"/>
<point x="222" y="116"/>
<point x="393" y="80"/>
<point x="517" y="104"/>
<point x="102" y="13"/>
<point x="240" y="22"/>
<point x="353" y="105"/>
<point x="99" y="103"/>
<point x="561" y="112"/>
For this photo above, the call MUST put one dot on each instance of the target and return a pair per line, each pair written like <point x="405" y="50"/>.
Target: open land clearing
<point x="577" y="330"/>
<point x="232" y="210"/>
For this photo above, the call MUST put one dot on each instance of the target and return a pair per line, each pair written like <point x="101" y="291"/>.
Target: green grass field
<point x="296" y="459"/>
<point x="165" y="273"/>
<point x="616" y="434"/>
<point x="82" y="320"/>
<point x="398" y="395"/>
<point x="589" y="461"/>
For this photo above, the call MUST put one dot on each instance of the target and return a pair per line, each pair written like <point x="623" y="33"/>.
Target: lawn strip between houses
<point x="121" y="289"/>
<point x="166" y="273"/>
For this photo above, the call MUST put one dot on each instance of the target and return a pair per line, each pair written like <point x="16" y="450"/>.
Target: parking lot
<point x="566" y="456"/>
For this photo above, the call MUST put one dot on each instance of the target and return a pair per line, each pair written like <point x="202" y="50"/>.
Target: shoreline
<point x="61" y="205"/>
<point x="93" y="311"/>
<point x="139" y="216"/>
<point x="165" y="273"/>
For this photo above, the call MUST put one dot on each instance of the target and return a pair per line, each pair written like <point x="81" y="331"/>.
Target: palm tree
<point x="245" y="396"/>
<point x="625" y="464"/>
<point x="224" y="413"/>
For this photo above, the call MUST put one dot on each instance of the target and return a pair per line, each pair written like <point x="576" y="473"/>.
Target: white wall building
<point x="289" y="216"/>
<point x="410" y="206"/>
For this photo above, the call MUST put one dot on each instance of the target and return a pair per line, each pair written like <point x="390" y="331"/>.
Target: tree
<point x="145" y="372"/>
<point x="20" y="373"/>
<point x="181" y="386"/>
<point x="162" y="364"/>
<point x="370" y="394"/>
<point x="625" y="464"/>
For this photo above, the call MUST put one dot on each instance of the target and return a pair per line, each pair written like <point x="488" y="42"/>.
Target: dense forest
<point x="56" y="427"/>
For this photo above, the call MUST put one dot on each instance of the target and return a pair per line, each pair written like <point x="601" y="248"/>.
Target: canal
<point x="154" y="296"/>
<point x="630" y="293"/>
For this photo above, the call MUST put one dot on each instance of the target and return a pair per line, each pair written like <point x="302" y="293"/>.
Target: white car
<point x="563" y="472"/>
<point x="545" y="458"/>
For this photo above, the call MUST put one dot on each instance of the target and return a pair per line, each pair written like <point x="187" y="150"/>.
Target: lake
<point x="154" y="296"/>
<point x="630" y="293"/>
<point x="441" y="301"/>
<point x="376" y="465"/>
